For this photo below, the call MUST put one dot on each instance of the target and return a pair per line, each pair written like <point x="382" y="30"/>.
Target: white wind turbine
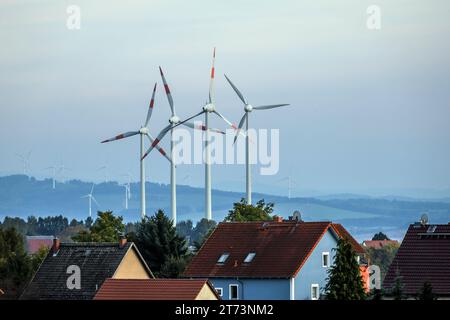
<point x="91" y="198"/>
<point x="143" y="131"/>
<point x="208" y="108"/>
<point x="53" y="168"/>
<point x="247" y="109"/>
<point x="290" y="183"/>
<point x="174" y="120"/>
<point x="127" y="192"/>
<point x="25" y="158"/>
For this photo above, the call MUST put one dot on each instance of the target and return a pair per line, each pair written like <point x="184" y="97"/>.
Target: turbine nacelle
<point x="143" y="130"/>
<point x="248" y="108"/>
<point x="174" y="120"/>
<point x="209" y="107"/>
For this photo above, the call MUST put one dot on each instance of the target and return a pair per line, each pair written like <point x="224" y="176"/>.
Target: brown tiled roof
<point x="346" y="235"/>
<point x="281" y="249"/>
<point x="151" y="289"/>
<point x="378" y="244"/>
<point x="422" y="256"/>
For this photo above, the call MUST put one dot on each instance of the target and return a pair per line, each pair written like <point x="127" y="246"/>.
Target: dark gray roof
<point x="97" y="262"/>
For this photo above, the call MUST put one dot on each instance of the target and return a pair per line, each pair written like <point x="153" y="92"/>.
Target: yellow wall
<point x="206" y="293"/>
<point x="131" y="267"/>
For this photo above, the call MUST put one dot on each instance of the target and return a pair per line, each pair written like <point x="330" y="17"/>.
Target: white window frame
<point x="328" y="259"/>
<point x="221" y="291"/>
<point x="225" y="257"/>
<point x="315" y="285"/>
<point x="237" y="291"/>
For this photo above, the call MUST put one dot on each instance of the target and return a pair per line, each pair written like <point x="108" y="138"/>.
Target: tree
<point x="397" y="289"/>
<point x="426" y="292"/>
<point x="344" y="280"/>
<point x="162" y="248"/>
<point x="382" y="257"/>
<point x="380" y="236"/>
<point x="185" y="228"/>
<point x="246" y="212"/>
<point x="106" y="228"/>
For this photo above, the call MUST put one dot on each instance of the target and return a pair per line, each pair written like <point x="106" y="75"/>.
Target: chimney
<point x="122" y="241"/>
<point x="56" y="245"/>
<point x="235" y="263"/>
<point x="277" y="219"/>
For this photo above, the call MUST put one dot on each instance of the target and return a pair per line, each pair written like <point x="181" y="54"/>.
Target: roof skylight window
<point x="223" y="257"/>
<point x="250" y="257"/>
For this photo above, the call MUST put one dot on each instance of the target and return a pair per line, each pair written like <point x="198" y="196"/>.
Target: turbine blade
<point x="122" y="136"/>
<point x="241" y="123"/>
<point x="157" y="140"/>
<point x="201" y="126"/>
<point x="167" y="89"/>
<point x="228" y="122"/>
<point x="92" y="197"/>
<point x="92" y="189"/>
<point x="150" y="107"/>
<point x="270" y="106"/>
<point x="212" y="97"/>
<point x="188" y="119"/>
<point x="161" y="150"/>
<point x="236" y="90"/>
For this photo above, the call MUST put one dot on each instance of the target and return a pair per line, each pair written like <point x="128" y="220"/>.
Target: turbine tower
<point x="91" y="198"/>
<point x="25" y="158"/>
<point x="53" y="168"/>
<point x="208" y="108"/>
<point x="247" y="109"/>
<point x="143" y="131"/>
<point x="174" y="120"/>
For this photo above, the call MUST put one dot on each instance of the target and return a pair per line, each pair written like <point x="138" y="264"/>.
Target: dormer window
<point x="249" y="257"/>
<point x="223" y="258"/>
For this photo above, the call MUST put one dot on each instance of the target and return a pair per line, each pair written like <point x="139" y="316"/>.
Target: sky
<point x="369" y="109"/>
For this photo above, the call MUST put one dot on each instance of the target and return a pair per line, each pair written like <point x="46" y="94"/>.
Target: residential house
<point x="379" y="244"/>
<point x="77" y="270"/>
<point x="156" y="289"/>
<point x="423" y="256"/>
<point x="34" y="243"/>
<point x="269" y="260"/>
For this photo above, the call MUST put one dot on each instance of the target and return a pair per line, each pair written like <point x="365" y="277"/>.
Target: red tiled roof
<point x="343" y="233"/>
<point x="378" y="244"/>
<point x="34" y="243"/>
<point x="281" y="249"/>
<point x="151" y="289"/>
<point x="422" y="256"/>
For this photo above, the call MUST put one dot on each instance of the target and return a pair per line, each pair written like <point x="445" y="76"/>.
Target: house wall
<point x="206" y="293"/>
<point x="312" y="271"/>
<point x="131" y="267"/>
<point x="254" y="289"/>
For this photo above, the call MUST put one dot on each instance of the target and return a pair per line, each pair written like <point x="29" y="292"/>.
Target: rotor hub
<point x="143" y="130"/>
<point x="209" y="107"/>
<point x="174" y="120"/>
<point x="248" y="108"/>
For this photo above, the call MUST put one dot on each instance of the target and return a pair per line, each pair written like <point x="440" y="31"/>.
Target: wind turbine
<point x="53" y="168"/>
<point x="127" y="192"/>
<point x="143" y="131"/>
<point x="91" y="198"/>
<point x="290" y="182"/>
<point x="174" y="120"/>
<point x="25" y="158"/>
<point x="128" y="175"/>
<point x="247" y="109"/>
<point x="61" y="170"/>
<point x="208" y="108"/>
<point x="104" y="168"/>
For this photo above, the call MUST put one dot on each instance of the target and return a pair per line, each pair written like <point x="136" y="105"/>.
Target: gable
<point x="206" y="293"/>
<point x="132" y="267"/>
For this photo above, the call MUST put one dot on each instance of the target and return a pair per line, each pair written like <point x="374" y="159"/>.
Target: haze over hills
<point x="22" y="196"/>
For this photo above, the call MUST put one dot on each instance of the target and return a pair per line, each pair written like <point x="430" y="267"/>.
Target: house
<point x="34" y="243"/>
<point x="379" y="244"/>
<point x="269" y="260"/>
<point x="77" y="270"/>
<point x="156" y="289"/>
<point x="423" y="256"/>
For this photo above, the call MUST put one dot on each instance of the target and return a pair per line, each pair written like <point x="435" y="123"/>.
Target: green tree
<point x="162" y="248"/>
<point x="380" y="236"/>
<point x="397" y="288"/>
<point x="106" y="228"/>
<point x="426" y="292"/>
<point x="344" y="280"/>
<point x="382" y="257"/>
<point x="246" y="212"/>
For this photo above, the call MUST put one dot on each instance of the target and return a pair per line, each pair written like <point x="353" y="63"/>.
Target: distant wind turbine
<point x="25" y="158"/>
<point x="143" y="131"/>
<point x="247" y="109"/>
<point x="53" y="168"/>
<point x="91" y="198"/>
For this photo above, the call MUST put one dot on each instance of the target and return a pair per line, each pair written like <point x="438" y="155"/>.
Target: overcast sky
<point x="370" y="109"/>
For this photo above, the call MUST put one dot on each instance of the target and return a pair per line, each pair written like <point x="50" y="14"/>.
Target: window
<point x="358" y="259"/>
<point x="325" y="259"/>
<point x="249" y="257"/>
<point x="314" y="292"/>
<point x="219" y="291"/>
<point x="223" y="257"/>
<point x="234" y="291"/>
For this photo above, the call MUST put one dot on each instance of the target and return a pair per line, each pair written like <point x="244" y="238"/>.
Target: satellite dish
<point x="297" y="215"/>
<point x="424" y="219"/>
